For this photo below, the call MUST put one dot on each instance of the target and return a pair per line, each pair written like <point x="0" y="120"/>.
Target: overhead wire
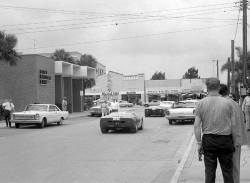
<point x="129" y="37"/>
<point x="115" y="23"/>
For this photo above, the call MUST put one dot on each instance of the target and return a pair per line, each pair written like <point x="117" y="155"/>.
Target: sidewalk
<point x="194" y="171"/>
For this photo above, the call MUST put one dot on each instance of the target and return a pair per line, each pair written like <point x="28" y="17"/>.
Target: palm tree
<point x="238" y="66"/>
<point x="7" y="52"/>
<point x="62" y="55"/>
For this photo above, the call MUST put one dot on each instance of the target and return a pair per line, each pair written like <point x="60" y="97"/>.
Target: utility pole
<point x="232" y="67"/>
<point x="244" y="40"/>
<point x="228" y="73"/>
<point x="217" y="65"/>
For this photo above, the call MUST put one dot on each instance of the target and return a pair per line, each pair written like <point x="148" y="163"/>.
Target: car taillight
<point x="194" y="111"/>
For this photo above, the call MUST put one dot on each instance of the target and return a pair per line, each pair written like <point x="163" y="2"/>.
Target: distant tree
<point x="192" y="73"/>
<point x="62" y="55"/>
<point x="88" y="60"/>
<point x="158" y="76"/>
<point x="7" y="52"/>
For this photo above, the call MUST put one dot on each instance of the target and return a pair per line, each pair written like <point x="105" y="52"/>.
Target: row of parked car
<point x="173" y="111"/>
<point x="96" y="110"/>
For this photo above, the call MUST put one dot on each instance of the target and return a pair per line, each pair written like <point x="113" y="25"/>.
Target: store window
<point x="44" y="77"/>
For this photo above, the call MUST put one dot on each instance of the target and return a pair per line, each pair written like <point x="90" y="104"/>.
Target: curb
<point x="179" y="169"/>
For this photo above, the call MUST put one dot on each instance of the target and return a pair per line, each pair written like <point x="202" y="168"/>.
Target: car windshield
<point x="36" y="108"/>
<point x="166" y="103"/>
<point x="185" y="105"/>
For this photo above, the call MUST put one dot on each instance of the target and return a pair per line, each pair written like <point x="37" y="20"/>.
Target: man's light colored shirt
<point x="8" y="106"/>
<point x="216" y="114"/>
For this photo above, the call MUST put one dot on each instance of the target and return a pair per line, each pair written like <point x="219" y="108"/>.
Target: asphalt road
<point x="78" y="152"/>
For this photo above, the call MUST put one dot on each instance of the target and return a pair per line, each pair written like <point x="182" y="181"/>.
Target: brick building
<point x="39" y="79"/>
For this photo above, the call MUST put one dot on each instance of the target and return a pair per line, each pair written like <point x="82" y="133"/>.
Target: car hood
<point x="30" y="112"/>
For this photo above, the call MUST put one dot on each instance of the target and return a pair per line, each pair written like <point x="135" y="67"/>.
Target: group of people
<point x="8" y="107"/>
<point x="221" y="129"/>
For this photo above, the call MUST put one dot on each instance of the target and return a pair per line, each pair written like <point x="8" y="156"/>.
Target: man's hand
<point x="200" y="151"/>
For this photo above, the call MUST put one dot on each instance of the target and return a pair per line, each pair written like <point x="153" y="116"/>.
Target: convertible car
<point x="121" y="120"/>
<point x="182" y="111"/>
<point x="40" y="114"/>
<point x="154" y="111"/>
<point x="97" y="110"/>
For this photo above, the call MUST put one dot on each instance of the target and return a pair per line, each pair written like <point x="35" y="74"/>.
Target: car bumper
<point x="117" y="125"/>
<point x="188" y="117"/>
<point x="26" y="121"/>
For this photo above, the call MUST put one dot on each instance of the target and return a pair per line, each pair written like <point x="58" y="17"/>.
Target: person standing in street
<point x="214" y="118"/>
<point x="241" y="134"/>
<point x="246" y="109"/>
<point x="8" y="107"/>
<point x="64" y="104"/>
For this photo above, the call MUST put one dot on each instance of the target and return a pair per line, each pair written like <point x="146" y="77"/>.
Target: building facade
<point x="39" y="79"/>
<point x="135" y="89"/>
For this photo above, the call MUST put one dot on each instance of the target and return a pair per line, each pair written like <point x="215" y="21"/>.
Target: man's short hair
<point x="213" y="84"/>
<point x="223" y="90"/>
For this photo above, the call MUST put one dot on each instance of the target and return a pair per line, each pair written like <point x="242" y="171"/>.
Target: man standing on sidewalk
<point x="241" y="134"/>
<point x="214" y="118"/>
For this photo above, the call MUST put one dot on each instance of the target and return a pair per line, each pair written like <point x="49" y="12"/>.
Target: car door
<point x="52" y="113"/>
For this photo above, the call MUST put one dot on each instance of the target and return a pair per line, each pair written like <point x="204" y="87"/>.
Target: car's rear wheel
<point x="17" y="125"/>
<point x="60" y="122"/>
<point x="43" y="123"/>
<point x="141" y="127"/>
<point x="134" y="129"/>
<point x="104" y="130"/>
<point x="170" y="121"/>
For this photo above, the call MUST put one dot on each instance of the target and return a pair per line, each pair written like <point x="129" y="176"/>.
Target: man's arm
<point x="197" y="129"/>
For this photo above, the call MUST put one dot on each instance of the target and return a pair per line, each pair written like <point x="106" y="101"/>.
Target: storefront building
<point x="39" y="79"/>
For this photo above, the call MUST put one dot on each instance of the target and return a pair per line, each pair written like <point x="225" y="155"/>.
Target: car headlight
<point x="37" y="116"/>
<point x="167" y="112"/>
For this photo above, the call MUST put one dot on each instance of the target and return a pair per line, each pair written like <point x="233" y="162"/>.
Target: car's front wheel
<point x="43" y="123"/>
<point x="60" y="122"/>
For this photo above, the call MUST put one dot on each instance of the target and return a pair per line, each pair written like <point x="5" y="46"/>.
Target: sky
<point x="130" y="37"/>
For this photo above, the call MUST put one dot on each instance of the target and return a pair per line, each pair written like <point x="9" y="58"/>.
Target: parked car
<point x="154" y="111"/>
<point x="124" y="103"/>
<point x="40" y="114"/>
<point x="121" y="120"/>
<point x="97" y="110"/>
<point x="182" y="111"/>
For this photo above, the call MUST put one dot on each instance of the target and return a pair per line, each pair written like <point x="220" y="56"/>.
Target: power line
<point x="102" y="13"/>
<point x="193" y="13"/>
<point x="130" y="37"/>
<point x="93" y="26"/>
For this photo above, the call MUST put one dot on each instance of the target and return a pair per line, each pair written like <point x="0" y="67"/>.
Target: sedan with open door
<point x="39" y="114"/>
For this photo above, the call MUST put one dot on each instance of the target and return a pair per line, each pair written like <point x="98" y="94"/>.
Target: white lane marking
<point x="179" y="169"/>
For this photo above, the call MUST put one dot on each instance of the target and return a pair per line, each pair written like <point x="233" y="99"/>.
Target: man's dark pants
<point x="7" y="118"/>
<point x="218" y="147"/>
